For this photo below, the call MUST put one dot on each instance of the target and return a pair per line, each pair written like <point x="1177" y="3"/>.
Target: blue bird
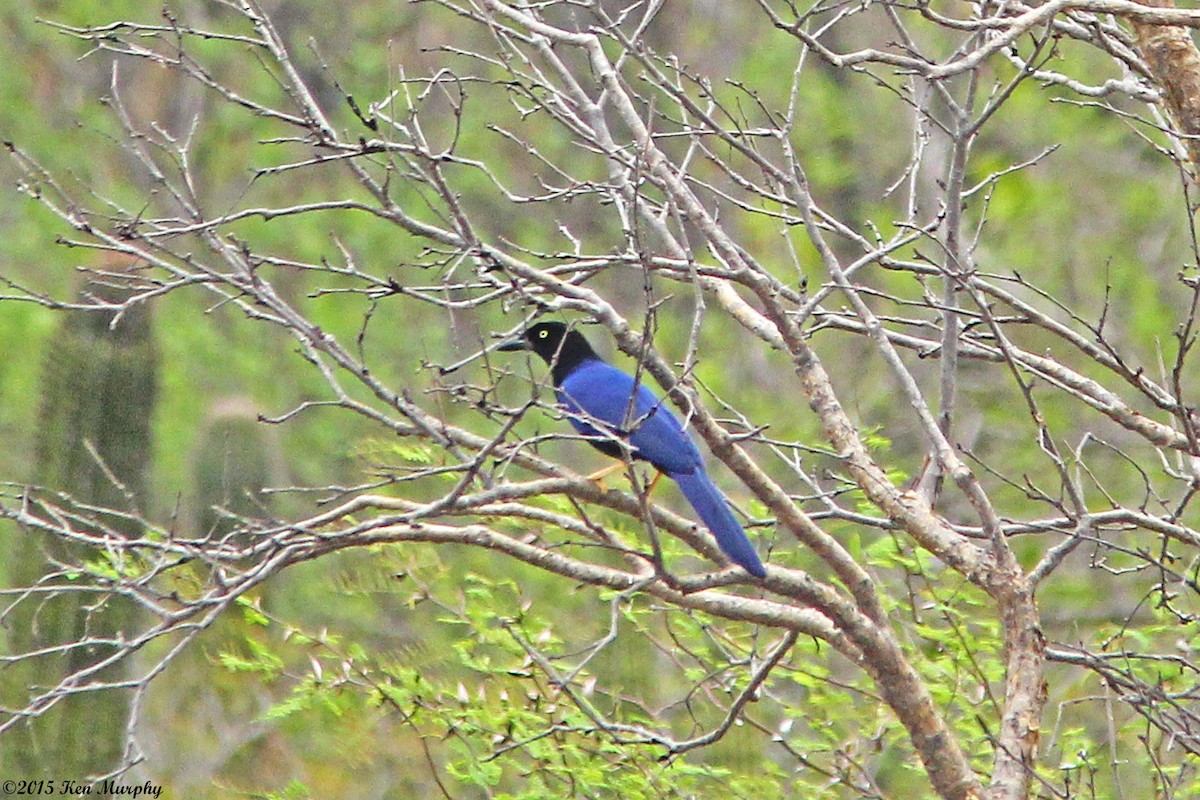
<point x="597" y="397"/>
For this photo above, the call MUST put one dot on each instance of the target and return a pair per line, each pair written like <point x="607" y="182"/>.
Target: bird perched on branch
<point x="619" y="415"/>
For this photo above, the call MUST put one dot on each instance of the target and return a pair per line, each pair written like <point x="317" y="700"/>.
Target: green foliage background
<point x="354" y="675"/>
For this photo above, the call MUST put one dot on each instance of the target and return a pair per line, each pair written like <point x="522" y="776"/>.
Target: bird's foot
<point x="599" y="475"/>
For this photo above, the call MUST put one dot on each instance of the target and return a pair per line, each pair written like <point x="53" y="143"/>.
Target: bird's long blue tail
<point x="714" y="511"/>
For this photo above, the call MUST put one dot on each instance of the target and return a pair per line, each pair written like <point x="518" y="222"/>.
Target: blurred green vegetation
<point x="418" y="650"/>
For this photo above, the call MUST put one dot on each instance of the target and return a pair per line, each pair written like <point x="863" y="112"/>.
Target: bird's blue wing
<point x="601" y="392"/>
<point x="597" y="396"/>
<point x="660" y="438"/>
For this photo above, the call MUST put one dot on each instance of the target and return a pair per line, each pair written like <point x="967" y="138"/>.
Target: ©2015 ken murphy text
<point x="45" y="788"/>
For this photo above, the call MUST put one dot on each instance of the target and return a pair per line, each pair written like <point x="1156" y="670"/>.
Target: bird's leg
<point x="599" y="475"/>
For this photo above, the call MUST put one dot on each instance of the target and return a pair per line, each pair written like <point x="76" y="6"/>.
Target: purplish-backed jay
<point x="597" y="397"/>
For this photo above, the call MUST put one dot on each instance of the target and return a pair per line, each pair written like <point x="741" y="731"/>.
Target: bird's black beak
<point x="519" y="343"/>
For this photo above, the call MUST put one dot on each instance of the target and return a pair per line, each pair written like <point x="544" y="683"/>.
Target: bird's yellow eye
<point x="543" y="334"/>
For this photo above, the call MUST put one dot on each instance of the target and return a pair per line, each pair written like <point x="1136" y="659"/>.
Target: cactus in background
<point x="93" y="443"/>
<point x="98" y="388"/>
<point x="235" y="459"/>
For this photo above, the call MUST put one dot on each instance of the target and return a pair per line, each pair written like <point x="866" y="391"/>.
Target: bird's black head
<point x="561" y="347"/>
